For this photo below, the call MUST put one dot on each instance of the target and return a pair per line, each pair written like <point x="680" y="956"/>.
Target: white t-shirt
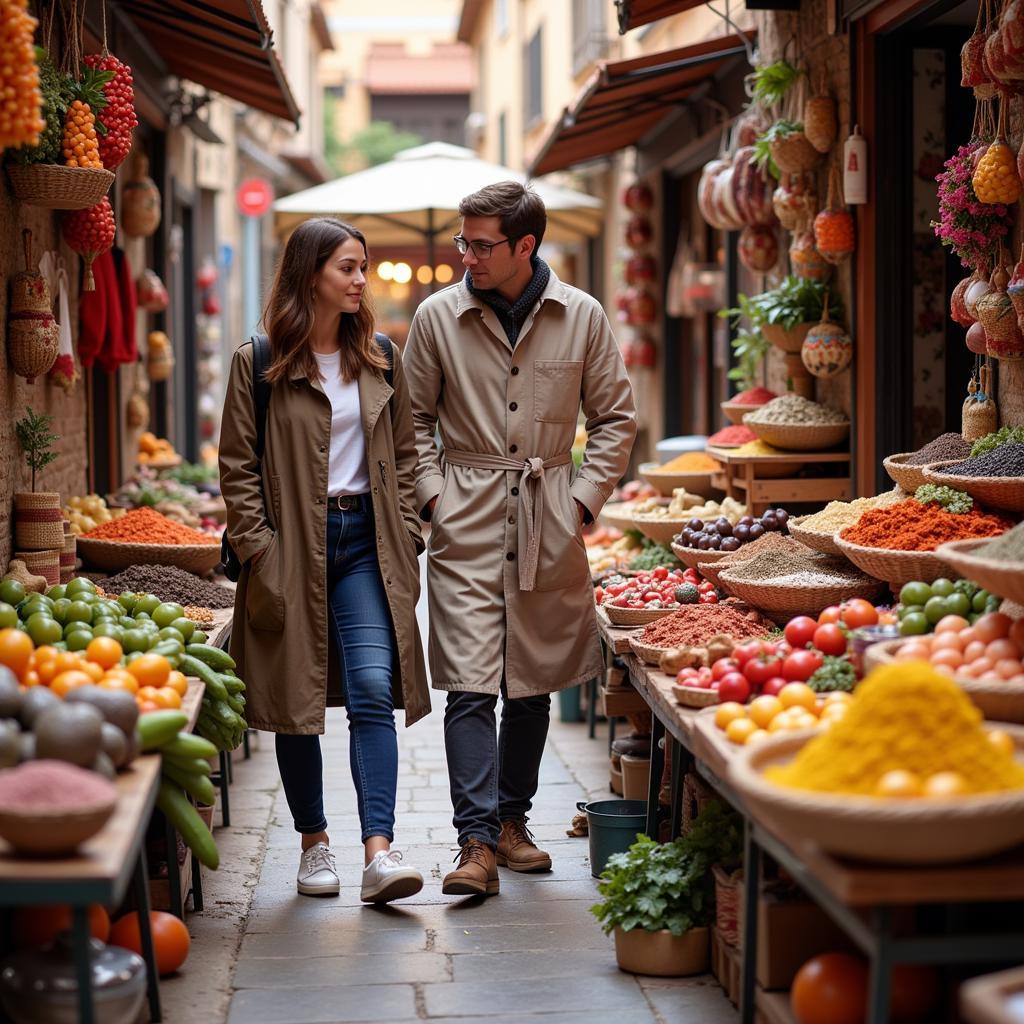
<point x="346" y="472"/>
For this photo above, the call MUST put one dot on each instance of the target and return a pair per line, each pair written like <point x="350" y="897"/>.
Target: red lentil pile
<point x="911" y="526"/>
<point x="732" y="436"/>
<point x="695" y="624"/>
<point x="147" y="526"/>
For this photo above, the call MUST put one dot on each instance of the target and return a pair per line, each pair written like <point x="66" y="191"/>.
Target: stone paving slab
<point x="292" y="972"/>
<point x="513" y="966"/>
<point x="322" y="1005"/>
<point x="613" y="992"/>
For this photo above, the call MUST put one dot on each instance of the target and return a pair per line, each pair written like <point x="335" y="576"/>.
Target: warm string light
<point x="402" y="273"/>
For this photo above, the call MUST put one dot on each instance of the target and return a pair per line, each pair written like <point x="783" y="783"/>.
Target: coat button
<point x="512" y="520"/>
<point x="388" y="581"/>
<point x="510" y="557"/>
<point x="323" y="447"/>
<point x="513" y="448"/>
<point x="515" y="492"/>
<point x="513" y="406"/>
<point x="515" y="371"/>
<point x="319" y="501"/>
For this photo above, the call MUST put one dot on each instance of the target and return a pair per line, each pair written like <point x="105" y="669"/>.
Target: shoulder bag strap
<point x="260" y="388"/>
<point x="385" y="346"/>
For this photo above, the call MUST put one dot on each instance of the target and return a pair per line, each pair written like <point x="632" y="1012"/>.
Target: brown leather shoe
<point x="518" y="851"/>
<point x="477" y="873"/>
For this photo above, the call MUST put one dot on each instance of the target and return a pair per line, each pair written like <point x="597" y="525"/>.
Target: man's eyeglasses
<point x="481" y="250"/>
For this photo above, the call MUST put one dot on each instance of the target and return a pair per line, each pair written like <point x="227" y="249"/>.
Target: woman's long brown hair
<point x="288" y="315"/>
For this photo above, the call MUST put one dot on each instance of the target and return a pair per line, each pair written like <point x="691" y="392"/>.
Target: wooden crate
<point x="622" y="701"/>
<point x="725" y="966"/>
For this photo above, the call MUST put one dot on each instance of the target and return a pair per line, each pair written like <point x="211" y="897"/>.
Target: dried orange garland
<point x="147" y="526"/>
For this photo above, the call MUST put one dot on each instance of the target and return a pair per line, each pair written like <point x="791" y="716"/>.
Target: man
<point x="501" y="362"/>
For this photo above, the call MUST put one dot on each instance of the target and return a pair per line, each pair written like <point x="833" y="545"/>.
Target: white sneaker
<point x="318" y="875"/>
<point x="384" y="879"/>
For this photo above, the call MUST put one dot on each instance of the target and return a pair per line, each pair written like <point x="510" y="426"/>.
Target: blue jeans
<point x="363" y="632"/>
<point x="493" y="778"/>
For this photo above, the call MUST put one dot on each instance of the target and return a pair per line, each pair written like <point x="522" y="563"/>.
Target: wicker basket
<point x="618" y="514"/>
<point x="823" y="542"/>
<point x="1003" y="492"/>
<point x="56" y="187"/>
<point x="658" y="528"/>
<point x="38" y="520"/>
<point x="635" y="616"/>
<point x="895" y="831"/>
<point x="166" y="462"/>
<point x="909" y="478"/>
<point x="42" y="563"/>
<point x="895" y="567"/>
<point x="666" y="483"/>
<point x="728" y="890"/>
<point x="114" y="555"/>
<point x="68" y="554"/>
<point x="800" y="437"/>
<point x="648" y="655"/>
<point x="692" y="557"/>
<point x="735" y="411"/>
<point x="694" y="696"/>
<point x="1003" y="578"/>
<point x="1001" y="701"/>
<point x="789" y="339"/>
<point x="781" y="603"/>
<point x="793" y="154"/>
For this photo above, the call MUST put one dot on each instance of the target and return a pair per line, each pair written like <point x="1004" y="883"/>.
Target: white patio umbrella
<point x="416" y="196"/>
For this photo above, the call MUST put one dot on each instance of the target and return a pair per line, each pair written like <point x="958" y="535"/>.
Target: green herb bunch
<point x="952" y="500"/>
<point x="834" y="674"/>
<point x="652" y="556"/>
<point x="657" y="886"/>
<point x="795" y="300"/>
<point x="773" y="81"/>
<point x="36" y="441"/>
<point x="1005" y="435"/>
<point x="748" y="343"/>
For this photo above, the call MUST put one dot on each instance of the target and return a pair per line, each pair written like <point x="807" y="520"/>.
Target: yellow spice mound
<point x="908" y="717"/>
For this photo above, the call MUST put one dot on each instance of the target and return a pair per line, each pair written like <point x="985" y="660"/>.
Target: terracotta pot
<point x="661" y="953"/>
<point x="789" y="339"/>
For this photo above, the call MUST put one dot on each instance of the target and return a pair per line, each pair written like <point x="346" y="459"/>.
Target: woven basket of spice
<point x="735" y="411"/>
<point x="800" y="437"/>
<point x="998" y="701"/>
<point x="1004" y="492"/>
<point x="909" y="477"/>
<point x="634" y="616"/>
<point x="666" y="482"/>
<point x="999" y="572"/>
<point x="809" y="538"/>
<point x="780" y="601"/>
<point x="113" y="555"/>
<point x="692" y="557"/>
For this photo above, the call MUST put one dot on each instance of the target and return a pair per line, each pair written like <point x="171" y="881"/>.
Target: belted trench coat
<point x="509" y="583"/>
<point x="279" y="633"/>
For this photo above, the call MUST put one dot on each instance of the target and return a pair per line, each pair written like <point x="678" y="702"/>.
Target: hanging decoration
<point x="999" y="317"/>
<point x="640" y="270"/>
<point x="820" y="121"/>
<point x="827" y="349"/>
<point x="160" y="357"/>
<point x="638" y="197"/>
<point x="31" y="328"/>
<point x="21" y="116"/>
<point x="996" y="181"/>
<point x="980" y="416"/>
<point x="758" y="248"/>
<point x="639" y="231"/>
<point x="89" y="233"/>
<point x="140" y="201"/>
<point x="152" y="293"/>
<point x="805" y="259"/>
<point x="958" y="302"/>
<point x="64" y="373"/>
<point x="119" y="118"/>
<point x="795" y="200"/>
<point x="973" y="72"/>
<point x="833" y="227"/>
<point x="637" y="306"/>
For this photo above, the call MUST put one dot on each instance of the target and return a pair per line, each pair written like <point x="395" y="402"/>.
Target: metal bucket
<point x="613" y="826"/>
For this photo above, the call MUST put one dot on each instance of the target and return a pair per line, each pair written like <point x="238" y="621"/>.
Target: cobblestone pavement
<point x="264" y="955"/>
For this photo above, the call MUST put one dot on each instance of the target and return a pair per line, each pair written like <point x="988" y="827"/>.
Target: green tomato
<point x="77" y="627"/>
<point x="915" y="593"/>
<point x="60" y="609"/>
<point x="186" y="627"/>
<point x="111" y="629"/>
<point x="166" y="613"/>
<point x="914" y="625"/>
<point x="148" y="603"/>
<point x="958" y="604"/>
<point x="979" y="600"/>
<point x="937" y="608"/>
<point x="79" y="612"/>
<point x="79" y="640"/>
<point x="126" y="600"/>
<point x="12" y="592"/>
<point x="142" y="617"/>
<point x="942" y="587"/>
<point x="170" y="633"/>
<point x="133" y="656"/>
<point x="135" y="641"/>
<point x="80" y="585"/>
<point x="8" y="615"/>
<point x="199" y="637"/>
<point x="43" y="630"/>
<point x="57" y="592"/>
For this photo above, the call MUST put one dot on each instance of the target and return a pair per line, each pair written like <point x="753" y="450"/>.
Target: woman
<point x="327" y="534"/>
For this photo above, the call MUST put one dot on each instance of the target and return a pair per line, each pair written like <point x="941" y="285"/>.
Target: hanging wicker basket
<point x="794" y="154"/>
<point x="56" y="187"/>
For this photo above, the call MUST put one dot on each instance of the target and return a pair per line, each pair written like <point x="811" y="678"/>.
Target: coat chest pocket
<point x="556" y="390"/>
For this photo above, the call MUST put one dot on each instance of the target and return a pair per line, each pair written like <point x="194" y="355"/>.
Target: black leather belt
<point x="348" y="503"/>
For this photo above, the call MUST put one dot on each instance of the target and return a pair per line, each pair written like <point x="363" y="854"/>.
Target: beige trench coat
<point x="280" y="630"/>
<point x="497" y="407"/>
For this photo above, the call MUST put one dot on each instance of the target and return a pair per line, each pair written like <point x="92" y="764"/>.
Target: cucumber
<point x="217" y="659"/>
<point x="155" y="728"/>
<point x="183" y="817"/>
<point x="194" y="667"/>
<point x="236" y="703"/>
<point x="232" y="683"/>
<point x="170" y="649"/>
<point x="198" y="786"/>
<point x="188" y="746"/>
<point x="192" y="765"/>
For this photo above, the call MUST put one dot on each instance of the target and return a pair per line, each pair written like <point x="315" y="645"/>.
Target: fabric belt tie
<point x="532" y="498"/>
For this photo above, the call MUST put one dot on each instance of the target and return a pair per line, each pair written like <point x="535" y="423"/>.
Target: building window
<point x="503" y="139"/>
<point x="501" y="18"/>
<point x="589" y="34"/>
<point x="533" y="93"/>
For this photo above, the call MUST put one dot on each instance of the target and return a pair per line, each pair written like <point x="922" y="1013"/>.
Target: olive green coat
<point x="280" y="630"/>
<point x="507" y="419"/>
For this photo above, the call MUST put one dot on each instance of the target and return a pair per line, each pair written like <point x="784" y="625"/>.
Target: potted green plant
<point x="787" y="147"/>
<point x="749" y="344"/>
<point x="787" y="312"/>
<point x="659" y="898"/>
<point x="38" y="520"/>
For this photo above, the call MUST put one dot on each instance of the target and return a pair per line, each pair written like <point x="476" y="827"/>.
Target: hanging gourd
<point x="32" y="336"/>
<point x="821" y="125"/>
<point x="89" y="233"/>
<point x="160" y="358"/>
<point x="996" y="179"/>
<point x="140" y="202"/>
<point x="958" y="304"/>
<point x="151" y="292"/>
<point x="977" y="339"/>
<point x="1015" y="289"/>
<point x="758" y="248"/>
<point x="827" y="349"/>
<point x="997" y="314"/>
<point x="833" y="227"/>
<point x="807" y="262"/>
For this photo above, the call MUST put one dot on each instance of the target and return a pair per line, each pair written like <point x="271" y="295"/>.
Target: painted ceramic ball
<point x="827" y="350"/>
<point x="758" y="248"/>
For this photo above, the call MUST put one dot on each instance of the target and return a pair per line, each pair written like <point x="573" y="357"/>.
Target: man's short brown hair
<point x="519" y="208"/>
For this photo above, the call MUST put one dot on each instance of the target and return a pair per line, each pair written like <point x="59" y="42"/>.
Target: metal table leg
<point x="246" y="752"/>
<point x="881" y="967"/>
<point x="679" y="758"/>
<point x="173" y="870"/>
<point x="654" y="784"/>
<point x="751" y="883"/>
<point x="592" y="708"/>
<point x="222" y="784"/>
<point x="197" y="885"/>
<point x="83" y="964"/>
<point x="141" y="884"/>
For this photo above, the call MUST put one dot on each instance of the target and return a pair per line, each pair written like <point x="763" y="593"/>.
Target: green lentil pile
<point x="793" y="409"/>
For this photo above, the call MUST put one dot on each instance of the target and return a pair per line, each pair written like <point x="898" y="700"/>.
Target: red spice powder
<point x="911" y="526"/>
<point x="695" y="624"/>
<point x="49" y="785"/>
<point x="754" y="396"/>
<point x="147" y="526"/>
<point x="736" y="435"/>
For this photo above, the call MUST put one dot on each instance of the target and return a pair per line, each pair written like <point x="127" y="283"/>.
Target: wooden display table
<point x="742" y="481"/>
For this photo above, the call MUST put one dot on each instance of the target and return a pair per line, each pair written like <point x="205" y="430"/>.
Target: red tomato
<point x="773" y="686"/>
<point x="745" y="651"/>
<point x="830" y="989"/>
<point x="686" y="676"/>
<point x="660" y="573"/>
<point x="830" y="639"/>
<point x="709" y="598"/>
<point x="857" y="613"/>
<point x="801" y="665"/>
<point x="830" y="614"/>
<point x="762" y="668"/>
<point x="799" y="632"/>
<point x="734" y="686"/>
<point x="723" y="666"/>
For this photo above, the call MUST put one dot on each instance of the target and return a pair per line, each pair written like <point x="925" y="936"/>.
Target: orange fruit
<point x="151" y="670"/>
<point x="45" y="653"/>
<point x="30" y="678"/>
<point x="177" y="681"/>
<point x="800" y="695"/>
<point x="46" y="670"/>
<point x="119" y="681"/>
<point x="104" y="651"/>
<point x="90" y="668"/>
<point x="37" y="926"/>
<point x="69" y="680"/>
<point x="763" y="709"/>
<point x="168" y="697"/>
<point x="757" y="736"/>
<point x="15" y="650"/>
<point x="739" y="730"/>
<point x="147" y="705"/>
<point x="729" y="712"/>
<point x="170" y="938"/>
<point x="146" y="692"/>
<point x="67" y="660"/>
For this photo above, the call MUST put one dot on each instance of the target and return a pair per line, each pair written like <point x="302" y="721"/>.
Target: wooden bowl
<point x="694" y="696"/>
<point x="692" y="557"/>
<point x="658" y="528"/>
<point x="666" y="483"/>
<point x="780" y="602"/>
<point x="39" y="833"/>
<point x="889" y="831"/>
<point x="1003" y="578"/>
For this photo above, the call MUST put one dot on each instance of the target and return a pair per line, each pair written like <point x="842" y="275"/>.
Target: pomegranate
<point x="89" y="232"/>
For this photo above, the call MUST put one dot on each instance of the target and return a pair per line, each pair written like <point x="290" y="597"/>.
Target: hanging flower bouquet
<point x="971" y="228"/>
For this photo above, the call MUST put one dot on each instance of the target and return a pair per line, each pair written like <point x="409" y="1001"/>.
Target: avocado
<point x="34" y="702"/>
<point x="27" y="744"/>
<point x="114" y="743"/>
<point x="10" y="748"/>
<point x="69" y="732"/>
<point x="104" y="766"/>
<point x="116" y="706"/>
<point x="10" y="693"/>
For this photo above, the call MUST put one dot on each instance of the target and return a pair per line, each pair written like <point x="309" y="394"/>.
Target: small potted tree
<point x="38" y="519"/>
<point x="659" y="898"/>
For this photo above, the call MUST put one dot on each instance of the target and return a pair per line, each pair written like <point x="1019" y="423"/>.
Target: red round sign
<point x="254" y="197"/>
